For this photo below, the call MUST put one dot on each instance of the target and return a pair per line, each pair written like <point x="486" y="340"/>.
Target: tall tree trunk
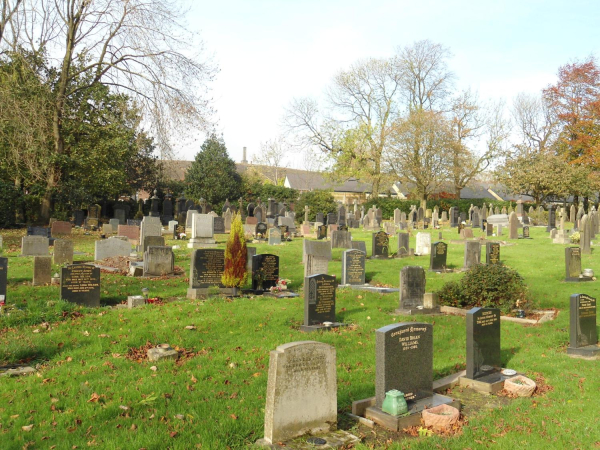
<point x="457" y="191"/>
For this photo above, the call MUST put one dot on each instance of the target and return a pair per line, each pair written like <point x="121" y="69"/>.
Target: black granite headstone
<point x="134" y="222"/>
<point x="265" y="271"/>
<point x="483" y="344"/>
<point x="207" y="267"/>
<point x="437" y="259"/>
<point x="250" y="209"/>
<point x="551" y="218"/>
<point x="331" y="219"/>
<point x="322" y="232"/>
<point x="320" y="218"/>
<point x="412" y="287"/>
<point x="80" y="283"/>
<point x="261" y="230"/>
<point x="404" y="361"/>
<point x="583" y="330"/>
<point x="573" y="263"/>
<point x="492" y="253"/>
<point x="78" y="217"/>
<point x="489" y="229"/>
<point x="319" y="299"/>
<point x="380" y="245"/>
<point x="353" y="267"/>
<point x="218" y="225"/>
<point x="3" y="276"/>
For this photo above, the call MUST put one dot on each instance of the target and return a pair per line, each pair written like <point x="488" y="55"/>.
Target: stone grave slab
<point x="110" y="248"/>
<point x="159" y="261"/>
<point x="63" y="251"/>
<point x="35" y="246"/>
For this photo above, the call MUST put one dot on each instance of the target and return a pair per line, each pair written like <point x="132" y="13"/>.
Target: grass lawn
<point x="92" y="390"/>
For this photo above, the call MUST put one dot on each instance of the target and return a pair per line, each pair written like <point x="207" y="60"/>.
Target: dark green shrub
<point x="492" y="286"/>
<point x="318" y="201"/>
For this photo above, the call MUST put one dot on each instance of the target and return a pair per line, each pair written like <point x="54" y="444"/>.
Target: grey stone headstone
<point x="274" y="236"/>
<point x="404" y="360"/>
<point x="114" y="223"/>
<point x="35" y="246"/>
<point x="159" y="261"/>
<point x="360" y="245"/>
<point x="189" y="218"/>
<point x="583" y="330"/>
<point x="585" y="235"/>
<point x="513" y="223"/>
<point x="483" y="344"/>
<point x="403" y="244"/>
<point x="110" y="248"/>
<point x="63" y="251"/>
<point x="301" y="391"/>
<point x="353" y="267"/>
<point x="218" y="225"/>
<point x="121" y="216"/>
<point x="42" y="270"/>
<point x="341" y="239"/>
<point x="80" y="284"/>
<point x="573" y="263"/>
<point x="173" y="224"/>
<point x="153" y="241"/>
<point x="150" y="226"/>
<point x="472" y="254"/>
<point x="412" y="287"/>
<point x="315" y="265"/>
<point x="250" y="252"/>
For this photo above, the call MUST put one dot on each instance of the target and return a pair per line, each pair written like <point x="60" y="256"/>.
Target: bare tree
<point x="419" y="151"/>
<point x="272" y="155"/>
<point x="535" y="122"/>
<point x="137" y="47"/>
<point x="425" y="78"/>
<point x="9" y="9"/>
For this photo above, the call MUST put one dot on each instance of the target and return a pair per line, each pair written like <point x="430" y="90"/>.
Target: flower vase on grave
<point x="394" y="403"/>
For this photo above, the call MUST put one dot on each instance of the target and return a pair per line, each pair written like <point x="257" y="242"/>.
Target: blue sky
<point x="272" y="51"/>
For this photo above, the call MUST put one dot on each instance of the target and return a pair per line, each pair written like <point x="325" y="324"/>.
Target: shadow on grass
<point x="506" y="354"/>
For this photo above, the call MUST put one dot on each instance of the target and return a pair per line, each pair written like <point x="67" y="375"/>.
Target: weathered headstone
<point x="583" y="334"/>
<point x="403" y="245"/>
<point x="63" y="251"/>
<point x="150" y="226"/>
<point x="153" y="241"/>
<point x="206" y="269"/>
<point x="301" y="391"/>
<point x="492" y="253"/>
<point x="483" y="345"/>
<point x="412" y="290"/>
<point x="159" y="261"/>
<point x="42" y="270"/>
<point x="341" y="239"/>
<point x="551" y="218"/>
<point x="265" y="271"/>
<point x="380" y="245"/>
<point x="353" y="267"/>
<point x="130" y="231"/>
<point x="80" y="284"/>
<point x="513" y="223"/>
<point x="218" y="225"/>
<point x="423" y="246"/>
<point x="360" y="245"/>
<point x="322" y="232"/>
<point x="60" y="228"/>
<point x="110" y="248"/>
<point x="316" y="257"/>
<point x="439" y="253"/>
<point x="472" y="254"/>
<point x="34" y="246"/>
<point x="202" y="231"/>
<point x="260" y="230"/>
<point x="573" y="264"/>
<point x="585" y="235"/>
<point x="274" y="236"/>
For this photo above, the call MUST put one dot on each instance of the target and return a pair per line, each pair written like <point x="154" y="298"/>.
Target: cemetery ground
<point x="95" y="387"/>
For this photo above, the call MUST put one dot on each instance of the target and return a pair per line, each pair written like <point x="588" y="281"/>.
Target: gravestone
<point x="465" y="233"/>
<point x="301" y="391"/>
<point x="492" y="253"/>
<point x="454" y="218"/>
<point x="380" y="245"/>
<point x="159" y="261"/>
<point x="341" y="216"/>
<point x="189" y="219"/>
<point x="42" y="270"/>
<point x="218" y="225"/>
<point x="360" y="245"/>
<point x="489" y="229"/>
<point x="403" y="245"/>
<point x="172" y="226"/>
<point x="63" y="251"/>
<point x="3" y="279"/>
<point x="259" y="213"/>
<point x="130" y="231"/>
<point x="80" y="283"/>
<point x="472" y="254"/>
<point x="60" y="228"/>
<point x="513" y="224"/>
<point x="412" y="290"/>
<point x="34" y="246"/>
<point x="153" y="241"/>
<point x="206" y="269"/>
<point x="475" y="219"/>
<point x="202" y="231"/>
<point x="114" y="224"/>
<point x="260" y="231"/>
<point x="353" y="267"/>
<point x="423" y="246"/>
<point x="320" y="218"/>
<point x="92" y="219"/>
<point x="483" y="345"/>
<point x="78" y="217"/>
<point x="316" y="257"/>
<point x="150" y="226"/>
<point x="341" y="239"/>
<point x="134" y="222"/>
<point x="573" y="264"/>
<point x="526" y="232"/>
<point x="397" y="216"/>
<point x="551" y="218"/>
<point x="444" y="216"/>
<point x="585" y="235"/>
<point x="439" y="253"/>
<point x="121" y="216"/>
<point x="319" y="302"/>
<point x="274" y="236"/>
<point x="110" y="248"/>
<point x="251" y="220"/>
<point x="583" y="333"/>
<point x="265" y="271"/>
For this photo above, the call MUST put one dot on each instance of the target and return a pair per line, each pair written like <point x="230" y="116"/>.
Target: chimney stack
<point x="244" y="158"/>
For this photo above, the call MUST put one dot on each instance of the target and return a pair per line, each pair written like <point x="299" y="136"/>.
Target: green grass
<point x="220" y="392"/>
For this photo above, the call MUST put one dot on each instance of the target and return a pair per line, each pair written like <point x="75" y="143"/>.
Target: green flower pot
<point x="394" y="403"/>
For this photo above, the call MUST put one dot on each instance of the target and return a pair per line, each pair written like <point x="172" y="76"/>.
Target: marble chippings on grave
<point x="159" y="261"/>
<point x="206" y="269"/>
<point x="3" y="278"/>
<point x="110" y="248"/>
<point x="301" y="391"/>
<point x="484" y="362"/>
<point x="353" y="267"/>
<point x="63" y="251"/>
<point x="42" y="270"/>
<point x="265" y="271"/>
<point x="35" y="246"/>
<point x="583" y="334"/>
<point x="380" y="245"/>
<point x="319" y="303"/>
<point x="80" y="283"/>
<point x="423" y="246"/>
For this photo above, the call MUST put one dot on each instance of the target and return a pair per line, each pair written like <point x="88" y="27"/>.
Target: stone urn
<point x="440" y="417"/>
<point x="520" y="386"/>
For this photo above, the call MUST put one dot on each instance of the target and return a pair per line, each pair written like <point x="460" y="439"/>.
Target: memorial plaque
<point x="573" y="263"/>
<point x="353" y="267"/>
<point x="439" y="254"/>
<point x="206" y="268"/>
<point x="583" y="330"/>
<point x="380" y="245"/>
<point x="412" y="287"/>
<point x="319" y="299"/>
<point x="403" y="245"/>
<point x="404" y="361"/>
<point x="3" y="278"/>
<point x="80" y="284"/>
<point x="492" y="253"/>
<point x="483" y="344"/>
<point x="265" y="271"/>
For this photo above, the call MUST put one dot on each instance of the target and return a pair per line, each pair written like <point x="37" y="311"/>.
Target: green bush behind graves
<point x="388" y="205"/>
<point x="319" y="201"/>
<point x="494" y="286"/>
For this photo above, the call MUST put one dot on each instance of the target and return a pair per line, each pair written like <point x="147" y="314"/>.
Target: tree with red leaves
<point x="234" y="275"/>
